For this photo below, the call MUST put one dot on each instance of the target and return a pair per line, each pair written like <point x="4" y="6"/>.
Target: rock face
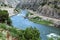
<point x="50" y="8"/>
<point x="48" y="11"/>
<point x="31" y="4"/>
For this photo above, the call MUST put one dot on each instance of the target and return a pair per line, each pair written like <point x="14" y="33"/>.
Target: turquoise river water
<point x="20" y="22"/>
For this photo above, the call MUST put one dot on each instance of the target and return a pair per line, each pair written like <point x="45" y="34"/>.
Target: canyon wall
<point x="50" y="8"/>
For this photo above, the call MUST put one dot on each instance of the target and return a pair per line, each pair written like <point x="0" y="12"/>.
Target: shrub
<point x="4" y="16"/>
<point x="27" y="34"/>
<point x="9" y="21"/>
<point x="51" y="39"/>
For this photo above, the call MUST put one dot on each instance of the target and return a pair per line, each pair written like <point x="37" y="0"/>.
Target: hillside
<point x="50" y="8"/>
<point x="12" y="33"/>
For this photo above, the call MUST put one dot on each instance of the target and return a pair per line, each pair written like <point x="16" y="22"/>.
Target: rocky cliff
<point x="50" y="8"/>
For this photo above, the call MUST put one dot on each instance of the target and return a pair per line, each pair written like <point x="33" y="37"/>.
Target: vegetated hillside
<point x="12" y="33"/>
<point x="49" y="8"/>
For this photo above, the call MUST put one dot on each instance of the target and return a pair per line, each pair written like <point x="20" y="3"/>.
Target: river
<point x="20" y="22"/>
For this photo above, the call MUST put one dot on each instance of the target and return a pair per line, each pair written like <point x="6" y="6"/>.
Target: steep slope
<point x="48" y="11"/>
<point x="50" y="8"/>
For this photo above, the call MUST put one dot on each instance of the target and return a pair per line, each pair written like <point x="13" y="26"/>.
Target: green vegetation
<point x="40" y="21"/>
<point x="27" y="34"/>
<point x="17" y="9"/>
<point x="50" y="39"/>
<point x="28" y="14"/>
<point x="58" y="39"/>
<point x="54" y="39"/>
<point x="4" y="17"/>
